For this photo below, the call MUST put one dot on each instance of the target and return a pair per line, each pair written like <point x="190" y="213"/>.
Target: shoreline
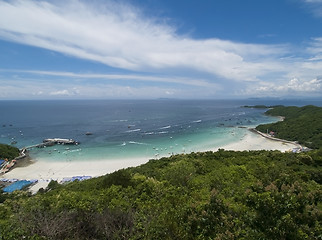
<point x="296" y="144"/>
<point x="254" y="140"/>
<point x="45" y="171"/>
<point x="30" y="169"/>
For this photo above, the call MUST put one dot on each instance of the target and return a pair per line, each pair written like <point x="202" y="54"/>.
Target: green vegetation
<point x="210" y="195"/>
<point x="221" y="195"/>
<point x="9" y="152"/>
<point x="302" y="124"/>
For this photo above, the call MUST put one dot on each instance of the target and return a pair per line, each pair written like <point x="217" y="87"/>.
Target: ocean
<point x="122" y="129"/>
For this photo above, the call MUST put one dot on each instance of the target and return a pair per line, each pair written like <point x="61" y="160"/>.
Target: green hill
<point x="302" y="124"/>
<point x="221" y="195"/>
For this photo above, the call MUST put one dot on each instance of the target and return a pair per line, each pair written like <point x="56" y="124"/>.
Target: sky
<point x="148" y="49"/>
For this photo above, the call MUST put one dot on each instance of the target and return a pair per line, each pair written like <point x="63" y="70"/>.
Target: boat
<point x="88" y="133"/>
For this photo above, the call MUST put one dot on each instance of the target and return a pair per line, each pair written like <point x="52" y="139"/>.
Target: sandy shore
<point x="45" y="171"/>
<point x="254" y="141"/>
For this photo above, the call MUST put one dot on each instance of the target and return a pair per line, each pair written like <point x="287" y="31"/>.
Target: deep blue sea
<point x="129" y="128"/>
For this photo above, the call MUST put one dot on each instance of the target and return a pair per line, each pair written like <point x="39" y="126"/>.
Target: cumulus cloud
<point x="293" y="87"/>
<point x="64" y="92"/>
<point x="39" y="93"/>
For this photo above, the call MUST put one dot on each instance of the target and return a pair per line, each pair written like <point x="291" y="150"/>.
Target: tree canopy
<point x="9" y="152"/>
<point x="207" y="195"/>
<point x="210" y="195"/>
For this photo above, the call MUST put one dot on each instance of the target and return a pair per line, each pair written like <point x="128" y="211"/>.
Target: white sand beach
<point x="45" y="171"/>
<point x="254" y="141"/>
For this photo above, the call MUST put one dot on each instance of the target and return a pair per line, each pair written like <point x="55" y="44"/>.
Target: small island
<point x="261" y="106"/>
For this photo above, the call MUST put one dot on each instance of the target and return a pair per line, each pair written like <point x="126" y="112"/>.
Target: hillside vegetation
<point x="220" y="195"/>
<point x="246" y="195"/>
<point x="9" y="152"/>
<point x="302" y="124"/>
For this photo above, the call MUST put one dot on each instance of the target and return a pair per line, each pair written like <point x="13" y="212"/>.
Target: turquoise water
<point x="156" y="148"/>
<point x="126" y="128"/>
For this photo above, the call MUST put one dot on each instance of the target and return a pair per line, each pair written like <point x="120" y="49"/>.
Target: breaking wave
<point x="134" y="130"/>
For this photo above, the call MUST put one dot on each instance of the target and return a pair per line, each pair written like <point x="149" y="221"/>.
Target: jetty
<point x="52" y="141"/>
<point x="60" y="141"/>
<point x="7" y="165"/>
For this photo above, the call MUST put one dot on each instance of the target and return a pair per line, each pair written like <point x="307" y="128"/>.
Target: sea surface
<point x="129" y="128"/>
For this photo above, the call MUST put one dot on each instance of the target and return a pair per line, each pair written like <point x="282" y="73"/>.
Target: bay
<point x="129" y="128"/>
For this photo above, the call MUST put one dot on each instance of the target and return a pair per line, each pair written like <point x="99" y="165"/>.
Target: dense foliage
<point x="302" y="124"/>
<point x="9" y="152"/>
<point x="211" y="195"/>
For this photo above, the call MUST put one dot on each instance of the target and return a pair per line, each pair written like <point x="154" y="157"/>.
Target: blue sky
<point x="146" y="49"/>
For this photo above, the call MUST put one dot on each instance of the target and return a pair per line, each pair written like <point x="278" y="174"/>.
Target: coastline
<point x="45" y="171"/>
<point x="253" y="140"/>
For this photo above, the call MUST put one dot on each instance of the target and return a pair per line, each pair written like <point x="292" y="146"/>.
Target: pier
<point x="52" y="141"/>
<point x="23" y="152"/>
<point x="60" y="141"/>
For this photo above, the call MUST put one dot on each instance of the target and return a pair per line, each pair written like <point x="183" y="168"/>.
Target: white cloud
<point x="313" y="1"/>
<point x="315" y="48"/>
<point x="64" y="92"/>
<point x="293" y="87"/>
<point x="299" y="86"/>
<point x="66" y="89"/>
<point x="104" y="78"/>
<point x="148" y="78"/>
<point x="121" y="36"/>
<point x="72" y="91"/>
<point x="39" y="93"/>
<point x="315" y="6"/>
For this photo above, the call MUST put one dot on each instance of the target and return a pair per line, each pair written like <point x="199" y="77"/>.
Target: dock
<point x="62" y="141"/>
<point x="52" y="141"/>
<point x="5" y="167"/>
